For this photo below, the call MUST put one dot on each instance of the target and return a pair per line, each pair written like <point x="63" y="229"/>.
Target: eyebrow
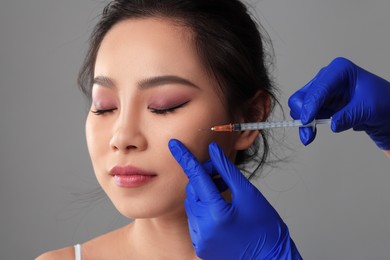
<point x="148" y="82"/>
<point x="164" y="80"/>
<point x="103" y="81"/>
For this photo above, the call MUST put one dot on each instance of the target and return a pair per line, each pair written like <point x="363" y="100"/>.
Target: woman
<point x="164" y="69"/>
<point x="160" y="71"/>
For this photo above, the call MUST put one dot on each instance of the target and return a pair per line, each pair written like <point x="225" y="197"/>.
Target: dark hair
<point x="228" y="42"/>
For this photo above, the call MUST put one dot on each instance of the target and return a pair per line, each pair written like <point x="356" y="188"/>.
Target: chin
<point x="144" y="210"/>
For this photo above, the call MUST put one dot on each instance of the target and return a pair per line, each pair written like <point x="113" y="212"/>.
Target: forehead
<point x="150" y="40"/>
<point x="136" y="49"/>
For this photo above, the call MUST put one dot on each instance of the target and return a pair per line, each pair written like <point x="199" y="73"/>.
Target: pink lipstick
<point x="130" y="176"/>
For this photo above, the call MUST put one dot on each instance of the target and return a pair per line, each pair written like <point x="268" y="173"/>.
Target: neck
<point x="164" y="237"/>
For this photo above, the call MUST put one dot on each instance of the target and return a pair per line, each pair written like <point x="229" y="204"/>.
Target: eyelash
<point x="99" y="112"/>
<point x="167" y="110"/>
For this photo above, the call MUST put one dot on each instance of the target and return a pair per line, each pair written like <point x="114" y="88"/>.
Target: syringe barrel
<point x="273" y="124"/>
<point x="264" y="125"/>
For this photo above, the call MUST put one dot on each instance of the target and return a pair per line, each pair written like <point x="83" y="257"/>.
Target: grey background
<point x="334" y="194"/>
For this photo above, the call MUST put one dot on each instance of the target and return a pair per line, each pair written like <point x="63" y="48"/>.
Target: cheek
<point x="199" y="142"/>
<point x="194" y="133"/>
<point x="198" y="135"/>
<point x="90" y="133"/>
<point x="96" y="139"/>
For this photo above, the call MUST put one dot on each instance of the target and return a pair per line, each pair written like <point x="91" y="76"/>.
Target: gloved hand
<point x="247" y="228"/>
<point x="352" y="96"/>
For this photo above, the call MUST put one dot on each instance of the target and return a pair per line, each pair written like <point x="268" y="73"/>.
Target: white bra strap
<point x="77" y="252"/>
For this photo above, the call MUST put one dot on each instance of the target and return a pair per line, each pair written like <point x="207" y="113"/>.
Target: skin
<point x="387" y="153"/>
<point x="133" y="54"/>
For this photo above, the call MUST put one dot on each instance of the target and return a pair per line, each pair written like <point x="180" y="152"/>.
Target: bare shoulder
<point x="101" y="247"/>
<point x="106" y="245"/>
<point x="63" y="253"/>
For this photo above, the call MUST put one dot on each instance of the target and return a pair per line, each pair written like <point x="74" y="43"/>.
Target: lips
<point x="130" y="176"/>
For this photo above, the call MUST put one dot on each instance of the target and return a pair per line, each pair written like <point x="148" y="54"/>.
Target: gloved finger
<point x="208" y="167"/>
<point x="296" y="115"/>
<point x="198" y="207"/>
<point x="307" y="135"/>
<point x="296" y="100"/>
<point x="244" y="194"/>
<point x="193" y="225"/>
<point x="313" y="102"/>
<point x="328" y="81"/>
<point x="234" y="179"/>
<point x="218" y="181"/>
<point x="348" y="117"/>
<point x="200" y="210"/>
<point x="295" y="104"/>
<point x="191" y="194"/>
<point x="202" y="183"/>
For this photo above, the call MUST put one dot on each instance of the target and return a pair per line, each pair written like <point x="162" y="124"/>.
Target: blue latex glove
<point x="247" y="228"/>
<point x="354" y="97"/>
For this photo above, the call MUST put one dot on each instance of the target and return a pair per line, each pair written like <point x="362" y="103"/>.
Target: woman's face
<point x="149" y="87"/>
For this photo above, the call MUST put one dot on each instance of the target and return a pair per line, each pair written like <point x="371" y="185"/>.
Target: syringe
<point x="264" y="125"/>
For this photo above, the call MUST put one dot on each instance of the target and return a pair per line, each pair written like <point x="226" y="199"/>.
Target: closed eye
<point x="99" y="112"/>
<point x="164" y="111"/>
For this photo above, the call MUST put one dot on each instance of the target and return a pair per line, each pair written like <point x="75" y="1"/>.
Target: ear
<point x="257" y="110"/>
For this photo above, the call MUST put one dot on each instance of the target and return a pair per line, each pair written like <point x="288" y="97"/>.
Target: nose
<point x="127" y="136"/>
